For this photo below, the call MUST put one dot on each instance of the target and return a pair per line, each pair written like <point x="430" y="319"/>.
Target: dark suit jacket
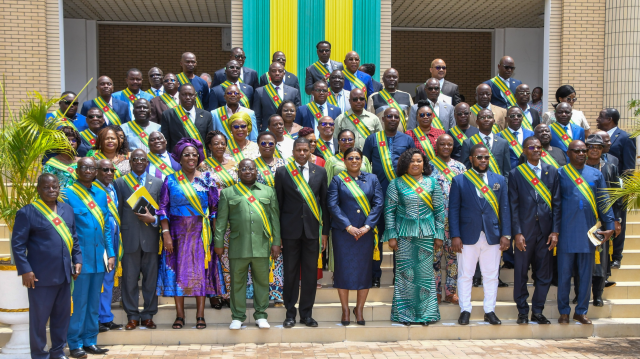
<point x="499" y="149"/>
<point x="470" y="214"/>
<point x="250" y="77"/>
<point x="377" y="87"/>
<point x="496" y="94"/>
<point x="457" y="147"/>
<point x="612" y="180"/>
<point x="448" y="88"/>
<point x="173" y="129"/>
<point x="609" y="158"/>
<point x="336" y="146"/>
<point x="624" y="148"/>
<point x="120" y="107"/>
<point x="216" y="96"/>
<point x="38" y="248"/>
<point x="535" y="116"/>
<point x="312" y="75"/>
<point x="134" y="232"/>
<point x="512" y="155"/>
<point x="305" y="118"/>
<point x="289" y="80"/>
<point x="264" y="107"/>
<point x="295" y="214"/>
<point x="529" y="214"/>
<point x="157" y="108"/>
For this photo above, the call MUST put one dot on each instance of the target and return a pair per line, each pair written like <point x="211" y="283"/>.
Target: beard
<point x="477" y="169"/>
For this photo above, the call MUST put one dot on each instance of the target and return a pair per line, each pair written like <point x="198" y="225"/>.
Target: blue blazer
<point x="578" y="134"/>
<point x="624" y="148"/>
<point x="368" y="82"/>
<point x="345" y="210"/>
<point x="79" y="121"/>
<point x="202" y="90"/>
<point x="38" y="248"/>
<point x="216" y="96"/>
<point x="305" y="118"/>
<point x="121" y="108"/>
<point x="496" y="94"/>
<point x="217" y="123"/>
<point x="469" y="214"/>
<point x="122" y="97"/>
<point x="526" y="207"/>
<point x="513" y="159"/>
<point x="250" y="77"/>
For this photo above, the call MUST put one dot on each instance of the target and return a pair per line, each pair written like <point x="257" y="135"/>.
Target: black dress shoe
<point x="112" y="326"/>
<point x="309" y="322"/>
<point x="492" y="318"/>
<point x="95" y="350"/>
<point x="375" y="283"/>
<point x="77" y="353"/>
<point x="575" y="300"/>
<point x="502" y="284"/>
<point x="615" y="264"/>
<point x="539" y="318"/>
<point x="62" y="357"/>
<point x="464" y="318"/>
<point x="289" y="323"/>
<point x="507" y="265"/>
<point x="477" y="282"/>
<point x="608" y="284"/>
<point x="102" y="328"/>
<point x="522" y="319"/>
<point x="598" y="302"/>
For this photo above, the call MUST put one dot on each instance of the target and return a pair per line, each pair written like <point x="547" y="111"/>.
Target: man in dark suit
<point x="300" y="230"/>
<point x="47" y="264"/>
<point x="480" y="229"/>
<point x="289" y="78"/>
<point x="247" y="75"/>
<point x="463" y="129"/>
<point x="105" y="90"/>
<point x="232" y="73"/>
<point x="534" y="194"/>
<point x="310" y="114"/>
<point x="624" y="148"/>
<point x="498" y="147"/>
<point x="439" y="71"/>
<point x="516" y="132"/>
<point x="321" y="69"/>
<point x="503" y="81"/>
<point x="140" y="246"/>
<point x="370" y="69"/>
<point x="326" y="127"/>
<point x="606" y="145"/>
<point x="564" y="126"/>
<point x="172" y="126"/>
<point x="264" y="104"/>
<point x="161" y="103"/>
<point x="188" y="76"/>
<point x="523" y="95"/>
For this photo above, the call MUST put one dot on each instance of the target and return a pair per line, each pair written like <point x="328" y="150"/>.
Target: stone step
<point x="631" y="242"/>
<point x="5" y="244"/>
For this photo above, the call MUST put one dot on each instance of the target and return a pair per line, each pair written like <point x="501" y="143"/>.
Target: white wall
<point x="525" y="45"/>
<point x="81" y="57"/>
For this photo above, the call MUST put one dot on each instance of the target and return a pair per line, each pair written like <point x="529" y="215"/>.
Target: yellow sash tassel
<point x="597" y="256"/>
<point x="271" y="276"/>
<point x="102" y="289"/>
<point x="555" y="251"/>
<point x="116" y="280"/>
<point x="71" y="306"/>
<point x="160" y="244"/>
<point x="611" y="250"/>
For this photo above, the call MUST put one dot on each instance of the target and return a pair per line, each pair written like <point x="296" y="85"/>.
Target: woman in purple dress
<point x="188" y="267"/>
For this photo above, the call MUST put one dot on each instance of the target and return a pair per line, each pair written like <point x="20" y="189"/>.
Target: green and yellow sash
<point x="159" y="163"/>
<point x="436" y="120"/>
<point x="114" y="212"/>
<point x="89" y="202"/>
<point x="225" y="177"/>
<point x="536" y="183"/>
<point x="183" y="80"/>
<point x="88" y="136"/>
<point x="513" y="141"/>
<point x="236" y="152"/>
<point x="144" y="138"/>
<point x="244" y="100"/>
<point x="273" y="94"/>
<point x="314" y="110"/>
<point x="130" y="95"/>
<point x="427" y="147"/>
<point x="322" y="146"/>
<point x="393" y="103"/>
<point x="444" y="168"/>
<point x="194" y="200"/>
<point x="476" y="109"/>
<point x="493" y="165"/>
<point x="487" y="193"/>
<point x="364" y="131"/>
<point x="56" y="163"/>
<point x="548" y="159"/>
<point x="168" y="100"/>
<point x="277" y="153"/>
<point x="560" y="132"/>
<point x="458" y="134"/>
<point x="418" y="189"/>
<point x="304" y="189"/>
<point x="100" y="156"/>
<point x="63" y="121"/>
<point x="582" y="186"/>
<point x="224" y="116"/>
<point x="108" y="112"/>
<point x="332" y="99"/>
<point x="150" y="92"/>
<point x="323" y="70"/>
<point x="189" y="126"/>
<point x="505" y="90"/>
<point x="287" y="134"/>
<point x="264" y="168"/>
<point x="525" y="122"/>
<point x="340" y="156"/>
<point x="131" y="182"/>
<point x="385" y="155"/>
<point x="363" y="203"/>
<point x="355" y="81"/>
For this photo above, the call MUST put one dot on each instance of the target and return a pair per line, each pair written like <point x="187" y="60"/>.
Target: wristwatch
<point x="507" y="237"/>
<point x="367" y="226"/>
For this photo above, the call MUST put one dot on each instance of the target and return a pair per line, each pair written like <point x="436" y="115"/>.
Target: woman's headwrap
<point x="241" y="115"/>
<point x="184" y="143"/>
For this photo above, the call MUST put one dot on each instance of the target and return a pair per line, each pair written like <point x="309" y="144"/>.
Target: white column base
<point x="18" y="346"/>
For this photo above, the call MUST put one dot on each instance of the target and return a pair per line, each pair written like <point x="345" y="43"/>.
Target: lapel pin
<point x="496" y="186"/>
<point x="546" y="173"/>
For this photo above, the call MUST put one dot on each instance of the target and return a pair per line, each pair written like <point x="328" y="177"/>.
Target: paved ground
<point x="578" y="348"/>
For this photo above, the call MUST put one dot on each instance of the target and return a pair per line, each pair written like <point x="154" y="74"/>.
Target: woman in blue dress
<point x="351" y="194"/>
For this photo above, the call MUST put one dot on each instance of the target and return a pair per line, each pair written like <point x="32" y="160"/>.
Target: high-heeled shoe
<point x="345" y="322"/>
<point x="359" y="322"/>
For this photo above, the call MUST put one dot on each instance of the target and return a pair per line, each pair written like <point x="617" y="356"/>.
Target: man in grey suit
<point x="264" y="104"/>
<point x="140" y="239"/>
<point x="444" y="111"/>
<point x="439" y="71"/>
<point x="315" y="72"/>
<point x="498" y="146"/>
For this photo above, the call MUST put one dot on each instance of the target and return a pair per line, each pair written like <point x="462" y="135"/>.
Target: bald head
<point x="483" y="95"/>
<point x="506" y="67"/>
<point x="188" y="62"/>
<point x="352" y="61"/>
<point x="390" y="79"/>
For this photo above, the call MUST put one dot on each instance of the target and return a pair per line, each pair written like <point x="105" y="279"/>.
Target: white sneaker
<point x="235" y="325"/>
<point x="262" y="324"/>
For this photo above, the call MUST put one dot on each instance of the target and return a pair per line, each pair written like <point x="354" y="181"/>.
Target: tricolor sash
<point x="108" y="112"/>
<point x="276" y="152"/>
<point x="487" y="193"/>
<point x="142" y="136"/>
<point x="194" y="200"/>
<point x="100" y="156"/>
<point x="314" y="110"/>
<point x="340" y="156"/>
<point x="225" y="177"/>
<point x="322" y="146"/>
<point x="536" y="183"/>
<point x="418" y="189"/>
<point x="131" y="182"/>
<point x="222" y="113"/>
<point x="150" y="92"/>
<point x="505" y="90"/>
<point x="130" y="95"/>
<point x="56" y="163"/>
<point x="189" y="126"/>
<point x="183" y="79"/>
<point x="458" y="134"/>
<point x="427" y="147"/>
<point x="88" y="136"/>
<point x="304" y="189"/>
<point x="436" y="120"/>
<point x="114" y="212"/>
<point x="525" y="122"/>
<point x="332" y="99"/>
<point x="168" y="100"/>
<point x="236" y="152"/>
<point x="476" y="109"/>
<point x="393" y="103"/>
<point x="355" y="81"/>
<point x="582" y="186"/>
<point x="243" y="100"/>
<point x="560" y="132"/>
<point x="286" y="133"/>
<point x="264" y="168"/>
<point x="513" y="141"/>
<point x="63" y="121"/>
<point x="493" y="165"/>
<point x="89" y="202"/>
<point x="273" y="94"/>
<point x="363" y="203"/>
<point x="385" y="155"/>
<point x="323" y="70"/>
<point x="159" y="164"/>
<point x="362" y="129"/>
<point x="444" y="168"/>
<point x="548" y="159"/>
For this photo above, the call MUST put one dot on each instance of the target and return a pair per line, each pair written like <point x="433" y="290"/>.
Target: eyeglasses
<point x="347" y="139"/>
<point x="87" y="168"/>
<point x="190" y="155"/>
<point x="594" y="147"/>
<point x="108" y="170"/>
<point x="578" y="151"/>
<point x="352" y="158"/>
<point x="267" y="144"/>
<point x="75" y="103"/>
<point x="138" y="159"/>
<point x="324" y="51"/>
<point x="440" y="68"/>
<point x="395" y="117"/>
<point x="524" y="92"/>
<point x="320" y="90"/>
<point x="534" y="148"/>
<point x="239" y="126"/>
<point x="425" y="114"/>
<point x="433" y="88"/>
<point x="487" y="117"/>
<point x="327" y="124"/>
<point x="155" y="75"/>
<point x="515" y="115"/>
<point x="169" y="80"/>
<point x="247" y="169"/>
<point x="241" y="57"/>
<point x="571" y="99"/>
<point x="480" y="158"/>
<point x="233" y="93"/>
<point x="509" y="67"/>
<point x="281" y="59"/>
<point x="358" y="99"/>
<point x="234" y="67"/>
<point x="463" y="113"/>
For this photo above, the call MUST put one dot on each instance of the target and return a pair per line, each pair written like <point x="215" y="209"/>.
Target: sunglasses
<point x="169" y="80"/>
<point x="515" y="115"/>
<point x="242" y="57"/>
<point x="108" y="170"/>
<point x="433" y="88"/>
<point x="267" y="144"/>
<point x="395" y="117"/>
<point x="282" y="59"/>
<point x="234" y="67"/>
<point x="534" y="148"/>
<point x="358" y="99"/>
<point x="320" y="90"/>
<point x="87" y="168"/>
<point x="239" y="126"/>
<point x="325" y="124"/>
<point x="480" y="158"/>
<point x="425" y="114"/>
<point x="487" y="117"/>
<point x="572" y="99"/>
<point x="509" y="67"/>
<point x="233" y="93"/>
<point x="347" y="140"/>
<point x="94" y="116"/>
<point x="75" y="103"/>
<point x="440" y="68"/>
<point x="462" y="113"/>
<point x="324" y="51"/>
<point x="352" y="158"/>
<point x="138" y="159"/>
<point x="594" y="147"/>
<point x="579" y="151"/>
<point x="155" y="75"/>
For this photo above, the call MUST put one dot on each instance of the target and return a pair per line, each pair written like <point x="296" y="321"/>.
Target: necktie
<point x="327" y="67"/>
<point x="157" y="92"/>
<point x="140" y="182"/>
<point x="515" y="134"/>
<point x="321" y="107"/>
<point x="566" y="128"/>
<point x="302" y="172"/>
<point x="487" y="142"/>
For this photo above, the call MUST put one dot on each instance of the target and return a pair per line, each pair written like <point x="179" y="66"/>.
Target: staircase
<point x="620" y="316"/>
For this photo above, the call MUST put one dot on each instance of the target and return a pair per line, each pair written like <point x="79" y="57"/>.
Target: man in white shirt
<point x="338" y="93"/>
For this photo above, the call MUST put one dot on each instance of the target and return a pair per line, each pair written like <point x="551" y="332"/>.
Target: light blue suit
<point x="105" y="315"/>
<point x="217" y="123"/>
<point x="122" y="97"/>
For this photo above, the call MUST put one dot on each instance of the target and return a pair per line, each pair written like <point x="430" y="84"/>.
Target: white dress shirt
<point x="158" y="92"/>
<point x="279" y="89"/>
<point x="304" y="170"/>
<point x="567" y="129"/>
<point x="527" y="114"/>
<point x="241" y="73"/>
<point x="165" y="158"/>
<point x="482" y="136"/>
<point x="519" y="136"/>
<point x="342" y="99"/>
<point x="327" y="66"/>
<point x="325" y="112"/>
<point x="329" y="144"/>
<point x="435" y="106"/>
<point x="192" y="113"/>
<point x="611" y="131"/>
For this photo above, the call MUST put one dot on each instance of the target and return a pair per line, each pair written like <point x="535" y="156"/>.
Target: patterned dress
<point x="250" y="151"/>
<point x="415" y="226"/>
<point x="64" y="178"/>
<point x="451" y="258"/>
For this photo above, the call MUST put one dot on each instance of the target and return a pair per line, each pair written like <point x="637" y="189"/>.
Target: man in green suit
<point x="252" y="211"/>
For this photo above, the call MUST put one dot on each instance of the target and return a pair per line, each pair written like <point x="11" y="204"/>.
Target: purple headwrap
<point x="184" y="143"/>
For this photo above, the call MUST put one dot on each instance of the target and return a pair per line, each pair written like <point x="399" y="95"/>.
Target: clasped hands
<point x="357" y="232"/>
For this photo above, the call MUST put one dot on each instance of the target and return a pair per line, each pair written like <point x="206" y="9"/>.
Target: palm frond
<point x="629" y="193"/>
